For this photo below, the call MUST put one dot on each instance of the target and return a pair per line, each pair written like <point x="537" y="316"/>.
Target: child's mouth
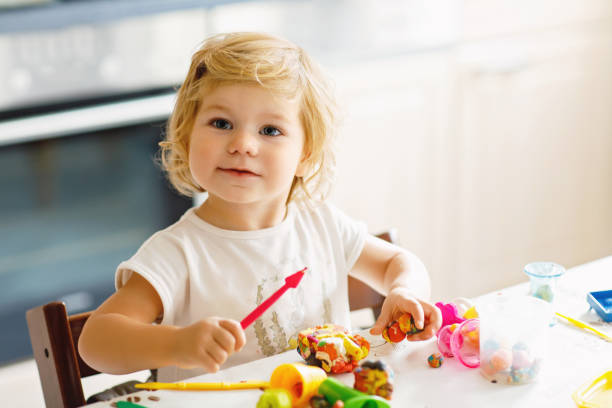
<point x="238" y="172"/>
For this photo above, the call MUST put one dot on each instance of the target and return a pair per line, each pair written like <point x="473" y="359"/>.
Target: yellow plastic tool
<point x="584" y="326"/>
<point x="209" y="386"/>
<point x="301" y="381"/>
<point x="596" y="393"/>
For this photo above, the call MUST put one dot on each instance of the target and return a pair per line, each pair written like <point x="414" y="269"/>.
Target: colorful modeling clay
<point x="435" y="360"/>
<point x="406" y="324"/>
<point x="319" y="401"/>
<point x="374" y="378"/>
<point x="332" y="347"/>
<point x="398" y="329"/>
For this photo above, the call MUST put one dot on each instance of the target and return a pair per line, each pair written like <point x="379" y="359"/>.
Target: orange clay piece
<point x="393" y="333"/>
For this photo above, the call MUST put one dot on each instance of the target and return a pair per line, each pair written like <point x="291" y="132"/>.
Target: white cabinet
<point x="396" y="149"/>
<point x="487" y="154"/>
<point x="535" y="174"/>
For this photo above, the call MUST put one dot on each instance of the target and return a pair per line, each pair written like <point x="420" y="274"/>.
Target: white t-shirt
<point x="200" y="270"/>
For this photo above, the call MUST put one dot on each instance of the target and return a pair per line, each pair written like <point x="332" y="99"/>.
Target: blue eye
<point x="221" y="124"/>
<point x="270" y="131"/>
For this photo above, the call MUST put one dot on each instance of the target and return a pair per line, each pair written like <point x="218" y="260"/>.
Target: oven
<point x="82" y="110"/>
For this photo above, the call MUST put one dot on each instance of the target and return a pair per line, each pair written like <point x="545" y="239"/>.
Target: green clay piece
<point x="274" y="398"/>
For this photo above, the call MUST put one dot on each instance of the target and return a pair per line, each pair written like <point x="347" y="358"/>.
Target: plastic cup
<point x="444" y="340"/>
<point x="514" y="334"/>
<point x="543" y="279"/>
<point x="465" y="343"/>
<point x="302" y="381"/>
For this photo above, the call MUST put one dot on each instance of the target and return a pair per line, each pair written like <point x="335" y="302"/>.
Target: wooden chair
<point x="361" y="296"/>
<point x="54" y="336"/>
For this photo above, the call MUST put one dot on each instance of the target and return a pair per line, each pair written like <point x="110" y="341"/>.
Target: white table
<point x="575" y="357"/>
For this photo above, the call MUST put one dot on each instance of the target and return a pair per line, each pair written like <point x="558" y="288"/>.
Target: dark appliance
<point x="83" y="105"/>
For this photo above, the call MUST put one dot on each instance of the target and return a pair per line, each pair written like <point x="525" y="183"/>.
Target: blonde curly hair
<point x="270" y="62"/>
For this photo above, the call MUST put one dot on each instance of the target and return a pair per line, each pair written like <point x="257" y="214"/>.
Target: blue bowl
<point x="601" y="302"/>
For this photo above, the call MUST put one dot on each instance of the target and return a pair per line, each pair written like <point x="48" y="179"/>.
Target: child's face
<point x="246" y="145"/>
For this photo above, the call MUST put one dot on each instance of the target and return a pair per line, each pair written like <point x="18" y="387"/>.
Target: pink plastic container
<point x="444" y="337"/>
<point x="465" y="343"/>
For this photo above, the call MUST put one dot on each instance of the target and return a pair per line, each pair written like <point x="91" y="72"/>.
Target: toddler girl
<point x="252" y="127"/>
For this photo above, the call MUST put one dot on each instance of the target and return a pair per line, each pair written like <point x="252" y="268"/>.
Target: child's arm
<point x="402" y="277"/>
<point x="119" y="336"/>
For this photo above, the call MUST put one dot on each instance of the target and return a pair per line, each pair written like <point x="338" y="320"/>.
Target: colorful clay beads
<point x="374" y="378"/>
<point x="435" y="360"/>
<point x="501" y="364"/>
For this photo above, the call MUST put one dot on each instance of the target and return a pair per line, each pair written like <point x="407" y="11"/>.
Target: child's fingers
<point x="217" y="353"/>
<point x="209" y="363"/>
<point x="236" y="330"/>
<point x="413" y="307"/>
<point x="427" y="333"/>
<point x="383" y="319"/>
<point x="433" y="320"/>
<point x="225" y="339"/>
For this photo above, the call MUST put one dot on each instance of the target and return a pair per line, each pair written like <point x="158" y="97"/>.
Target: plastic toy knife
<point x="291" y="281"/>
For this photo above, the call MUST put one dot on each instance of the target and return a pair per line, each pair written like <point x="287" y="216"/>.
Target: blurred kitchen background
<point x="480" y="129"/>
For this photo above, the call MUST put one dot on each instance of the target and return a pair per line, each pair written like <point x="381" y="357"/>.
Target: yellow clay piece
<point x="471" y="313"/>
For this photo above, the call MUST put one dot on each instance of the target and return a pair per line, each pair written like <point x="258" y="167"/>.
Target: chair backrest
<point x="54" y="336"/>
<point x="362" y="296"/>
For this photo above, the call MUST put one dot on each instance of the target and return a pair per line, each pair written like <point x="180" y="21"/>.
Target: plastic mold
<point x="596" y="393"/>
<point x="601" y="302"/>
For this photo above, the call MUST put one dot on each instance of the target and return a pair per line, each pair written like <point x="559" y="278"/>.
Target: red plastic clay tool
<point x="291" y="281"/>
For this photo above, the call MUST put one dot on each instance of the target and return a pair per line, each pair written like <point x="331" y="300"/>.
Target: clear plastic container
<point x="543" y="279"/>
<point x="514" y="333"/>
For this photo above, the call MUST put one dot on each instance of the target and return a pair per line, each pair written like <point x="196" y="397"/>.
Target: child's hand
<point x="399" y="301"/>
<point x="208" y="343"/>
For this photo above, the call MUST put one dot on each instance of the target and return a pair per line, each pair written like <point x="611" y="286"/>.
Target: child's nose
<point x="244" y="142"/>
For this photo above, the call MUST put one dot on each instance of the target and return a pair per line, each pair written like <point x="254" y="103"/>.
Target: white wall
<point x="489" y="153"/>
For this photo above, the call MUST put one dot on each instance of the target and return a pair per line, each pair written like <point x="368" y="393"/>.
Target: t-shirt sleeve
<point x="352" y="234"/>
<point x="162" y="262"/>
